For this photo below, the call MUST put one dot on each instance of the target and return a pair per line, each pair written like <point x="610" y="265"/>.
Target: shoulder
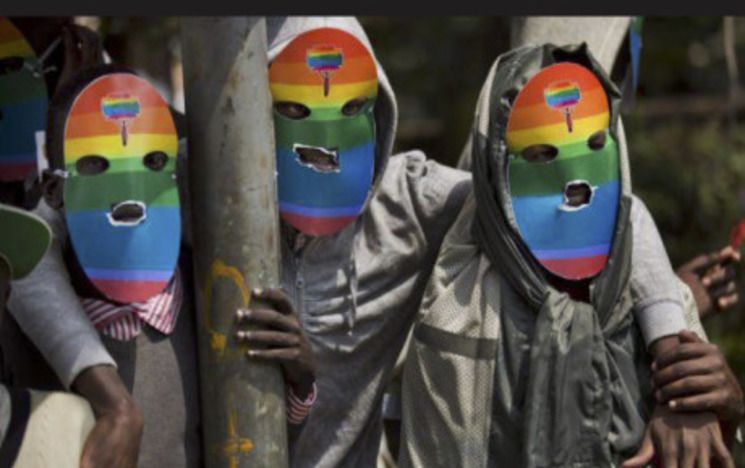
<point x="424" y="181"/>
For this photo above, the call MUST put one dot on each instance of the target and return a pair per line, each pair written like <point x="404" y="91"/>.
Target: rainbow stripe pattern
<point x="563" y="96"/>
<point x="23" y="106"/>
<point x="126" y="263"/>
<point x="121" y="107"/>
<point x="573" y="244"/>
<point x="313" y="202"/>
<point x="324" y="58"/>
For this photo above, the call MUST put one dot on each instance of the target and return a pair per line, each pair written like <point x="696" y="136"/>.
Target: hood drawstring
<point x="350" y="316"/>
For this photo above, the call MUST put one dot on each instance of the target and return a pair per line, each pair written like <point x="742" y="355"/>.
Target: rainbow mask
<point x="121" y="199"/>
<point x="326" y="144"/>
<point x="23" y="104"/>
<point x="564" y="170"/>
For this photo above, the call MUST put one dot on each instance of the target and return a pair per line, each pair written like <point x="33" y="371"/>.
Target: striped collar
<point x="124" y="322"/>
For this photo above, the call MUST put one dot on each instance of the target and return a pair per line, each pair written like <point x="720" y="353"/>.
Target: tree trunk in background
<point x="236" y="233"/>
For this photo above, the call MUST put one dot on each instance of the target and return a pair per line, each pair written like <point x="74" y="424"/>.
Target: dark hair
<point x="61" y="104"/>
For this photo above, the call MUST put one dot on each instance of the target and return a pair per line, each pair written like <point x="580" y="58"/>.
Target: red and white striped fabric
<point x="124" y="322"/>
<point x="297" y="409"/>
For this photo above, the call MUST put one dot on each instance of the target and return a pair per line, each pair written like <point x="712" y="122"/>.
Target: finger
<point x="680" y="370"/>
<point x="729" y="254"/>
<point x="725" y="302"/>
<point x="670" y="456"/>
<point x="270" y="318"/>
<point x="275" y="297"/>
<point x="704" y="457"/>
<point x="268" y="337"/>
<point x="643" y="456"/>
<point x="702" y="263"/>
<point x="718" y="276"/>
<point x="691" y="385"/>
<point x="720" y="290"/>
<point x="682" y="352"/>
<point x="722" y="454"/>
<point x="687" y="336"/>
<point x="280" y="354"/>
<point x="690" y="449"/>
<point x="694" y="403"/>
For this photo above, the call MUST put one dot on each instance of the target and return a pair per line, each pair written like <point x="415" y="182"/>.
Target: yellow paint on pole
<point x="235" y="446"/>
<point x="219" y="270"/>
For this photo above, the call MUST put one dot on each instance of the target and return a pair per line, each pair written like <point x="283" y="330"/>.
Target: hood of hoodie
<point x="496" y="226"/>
<point x="282" y="30"/>
<point x="604" y="35"/>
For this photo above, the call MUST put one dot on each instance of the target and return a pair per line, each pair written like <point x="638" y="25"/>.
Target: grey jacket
<point x="356" y="292"/>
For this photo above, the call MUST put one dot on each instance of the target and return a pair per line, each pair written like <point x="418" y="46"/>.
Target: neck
<point x="577" y="290"/>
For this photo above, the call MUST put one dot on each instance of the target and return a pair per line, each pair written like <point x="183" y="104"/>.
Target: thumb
<point x="643" y="456"/>
<point x="687" y="336"/>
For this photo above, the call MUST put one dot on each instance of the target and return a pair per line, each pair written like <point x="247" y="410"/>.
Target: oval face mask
<point x="23" y="104"/>
<point x="564" y="170"/>
<point x="324" y="85"/>
<point x="121" y="200"/>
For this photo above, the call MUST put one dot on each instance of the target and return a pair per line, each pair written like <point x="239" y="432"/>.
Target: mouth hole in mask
<point x="540" y="153"/>
<point x="127" y="213"/>
<point x="577" y="195"/>
<point x="319" y="159"/>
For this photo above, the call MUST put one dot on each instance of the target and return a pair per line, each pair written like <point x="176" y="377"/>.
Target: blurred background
<point x="686" y="129"/>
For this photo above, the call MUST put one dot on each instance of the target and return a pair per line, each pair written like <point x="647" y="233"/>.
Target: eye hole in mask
<point x="292" y="110"/>
<point x="10" y="65"/>
<point x="91" y="165"/>
<point x="540" y="153"/>
<point x="155" y="161"/>
<point x="353" y="107"/>
<point x="597" y="140"/>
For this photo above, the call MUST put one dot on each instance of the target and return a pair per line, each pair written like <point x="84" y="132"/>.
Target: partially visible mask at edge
<point x="23" y="103"/>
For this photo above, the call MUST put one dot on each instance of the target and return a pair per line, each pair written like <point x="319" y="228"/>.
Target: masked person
<point x="526" y="350"/>
<point x="37" y="429"/>
<point x="23" y="109"/>
<point x="357" y="247"/>
<point x="113" y="146"/>
<point x="114" y="149"/>
<point x="39" y="55"/>
<point x="616" y="43"/>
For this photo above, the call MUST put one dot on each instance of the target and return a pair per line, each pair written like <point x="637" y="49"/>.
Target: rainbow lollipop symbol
<point x="121" y="108"/>
<point x="563" y="96"/>
<point x="324" y="60"/>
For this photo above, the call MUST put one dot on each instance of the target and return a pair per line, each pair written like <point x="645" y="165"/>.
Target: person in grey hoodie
<point x="526" y="349"/>
<point x="349" y="296"/>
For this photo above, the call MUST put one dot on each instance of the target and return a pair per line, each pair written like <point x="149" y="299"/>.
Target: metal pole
<point x="236" y="231"/>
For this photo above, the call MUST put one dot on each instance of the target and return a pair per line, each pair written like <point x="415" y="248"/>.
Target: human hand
<point x="114" y="441"/>
<point x="280" y="338"/>
<point x="695" y="376"/>
<point x="711" y="278"/>
<point x="681" y="440"/>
